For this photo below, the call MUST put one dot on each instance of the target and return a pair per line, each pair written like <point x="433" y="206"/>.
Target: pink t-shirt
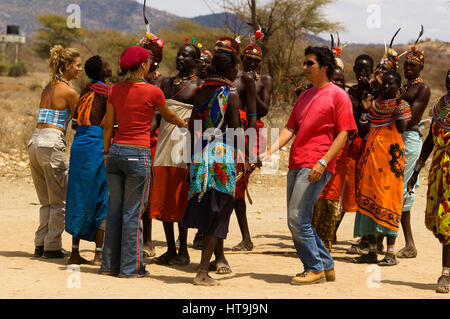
<point x="317" y="118"/>
<point x="135" y="104"/>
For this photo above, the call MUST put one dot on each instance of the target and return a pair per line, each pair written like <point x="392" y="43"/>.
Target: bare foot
<point x="203" y="279"/>
<point x="76" y="259"/>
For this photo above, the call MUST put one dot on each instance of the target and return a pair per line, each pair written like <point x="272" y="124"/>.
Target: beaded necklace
<point x="384" y="106"/>
<point x="135" y="77"/>
<point x="178" y="80"/>
<point x="416" y="81"/>
<point x="219" y="79"/>
<point x="60" y="78"/>
<point x="441" y="112"/>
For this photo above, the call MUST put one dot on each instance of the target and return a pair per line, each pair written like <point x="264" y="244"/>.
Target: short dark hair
<point x="93" y="67"/>
<point x="396" y="75"/>
<point x="198" y="53"/>
<point x="324" y="56"/>
<point x="365" y="57"/>
<point x="223" y="62"/>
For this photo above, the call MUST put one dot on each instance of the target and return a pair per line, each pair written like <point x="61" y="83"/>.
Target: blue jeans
<point x="301" y="198"/>
<point x="129" y="175"/>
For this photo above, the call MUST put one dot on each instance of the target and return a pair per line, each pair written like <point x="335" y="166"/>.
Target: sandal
<point x="442" y="285"/>
<point x="242" y="246"/>
<point x="220" y="268"/>
<point x="405" y="252"/>
<point x="366" y="259"/>
<point x="388" y="260"/>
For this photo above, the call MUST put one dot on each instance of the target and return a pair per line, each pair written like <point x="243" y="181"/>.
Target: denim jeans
<point x="129" y="175"/>
<point x="302" y="195"/>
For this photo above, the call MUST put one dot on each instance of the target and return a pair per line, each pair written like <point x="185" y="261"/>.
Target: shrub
<point x="17" y="70"/>
<point x="4" y="67"/>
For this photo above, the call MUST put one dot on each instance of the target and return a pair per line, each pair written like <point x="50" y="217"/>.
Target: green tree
<point x="286" y="25"/>
<point x="54" y="31"/>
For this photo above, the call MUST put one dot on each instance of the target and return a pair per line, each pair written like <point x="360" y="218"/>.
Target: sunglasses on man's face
<point x="309" y="63"/>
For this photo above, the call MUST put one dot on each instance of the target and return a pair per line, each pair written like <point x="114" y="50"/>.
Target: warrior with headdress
<point x="437" y="215"/>
<point x="168" y="199"/>
<point x="417" y="94"/>
<point x="251" y="58"/>
<point x="212" y="172"/>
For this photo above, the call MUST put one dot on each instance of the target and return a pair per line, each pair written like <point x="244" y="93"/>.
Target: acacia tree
<point x="286" y="25"/>
<point x="54" y="31"/>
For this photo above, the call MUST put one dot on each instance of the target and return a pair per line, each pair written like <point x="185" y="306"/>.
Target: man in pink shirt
<point x="321" y="120"/>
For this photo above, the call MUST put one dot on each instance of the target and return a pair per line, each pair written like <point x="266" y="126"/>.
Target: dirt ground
<point x="264" y="273"/>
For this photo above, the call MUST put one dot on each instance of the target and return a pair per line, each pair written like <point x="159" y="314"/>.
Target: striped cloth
<point x="59" y="118"/>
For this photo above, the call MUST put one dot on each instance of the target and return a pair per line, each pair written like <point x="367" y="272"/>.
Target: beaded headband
<point x="228" y="44"/>
<point x="415" y="56"/>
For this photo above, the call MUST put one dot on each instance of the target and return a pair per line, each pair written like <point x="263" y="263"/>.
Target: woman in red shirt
<point x="128" y="162"/>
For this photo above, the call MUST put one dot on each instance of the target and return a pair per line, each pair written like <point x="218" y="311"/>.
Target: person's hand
<point x="378" y="76"/>
<point x="105" y="157"/>
<point x="412" y="181"/>
<point x="265" y="156"/>
<point x="366" y="103"/>
<point x="363" y="84"/>
<point x="316" y="173"/>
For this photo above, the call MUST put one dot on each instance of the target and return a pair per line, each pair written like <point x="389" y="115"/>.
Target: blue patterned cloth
<point x="214" y="167"/>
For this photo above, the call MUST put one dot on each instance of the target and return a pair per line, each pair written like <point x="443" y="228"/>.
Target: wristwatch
<point x="323" y="162"/>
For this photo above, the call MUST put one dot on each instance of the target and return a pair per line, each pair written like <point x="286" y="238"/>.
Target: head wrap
<point x="228" y="45"/>
<point x="414" y="55"/>
<point x="132" y="57"/>
<point x="252" y="49"/>
<point x="337" y="50"/>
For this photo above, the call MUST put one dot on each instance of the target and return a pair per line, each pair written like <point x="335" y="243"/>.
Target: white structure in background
<point x="12" y="40"/>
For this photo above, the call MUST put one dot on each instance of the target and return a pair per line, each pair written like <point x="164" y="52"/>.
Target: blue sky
<point x="354" y="15"/>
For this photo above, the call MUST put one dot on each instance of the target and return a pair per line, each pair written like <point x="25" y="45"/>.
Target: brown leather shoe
<point x="330" y="275"/>
<point x="309" y="277"/>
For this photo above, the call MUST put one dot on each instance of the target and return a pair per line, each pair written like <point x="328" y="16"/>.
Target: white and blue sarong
<point x="413" y="146"/>
<point x="87" y="189"/>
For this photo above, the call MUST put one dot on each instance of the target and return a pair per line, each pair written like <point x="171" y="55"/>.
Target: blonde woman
<point x="47" y="149"/>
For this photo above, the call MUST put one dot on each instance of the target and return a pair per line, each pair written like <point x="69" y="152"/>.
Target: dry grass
<point x="19" y="104"/>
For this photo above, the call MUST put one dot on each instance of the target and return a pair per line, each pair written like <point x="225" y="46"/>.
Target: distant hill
<point x="121" y="15"/>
